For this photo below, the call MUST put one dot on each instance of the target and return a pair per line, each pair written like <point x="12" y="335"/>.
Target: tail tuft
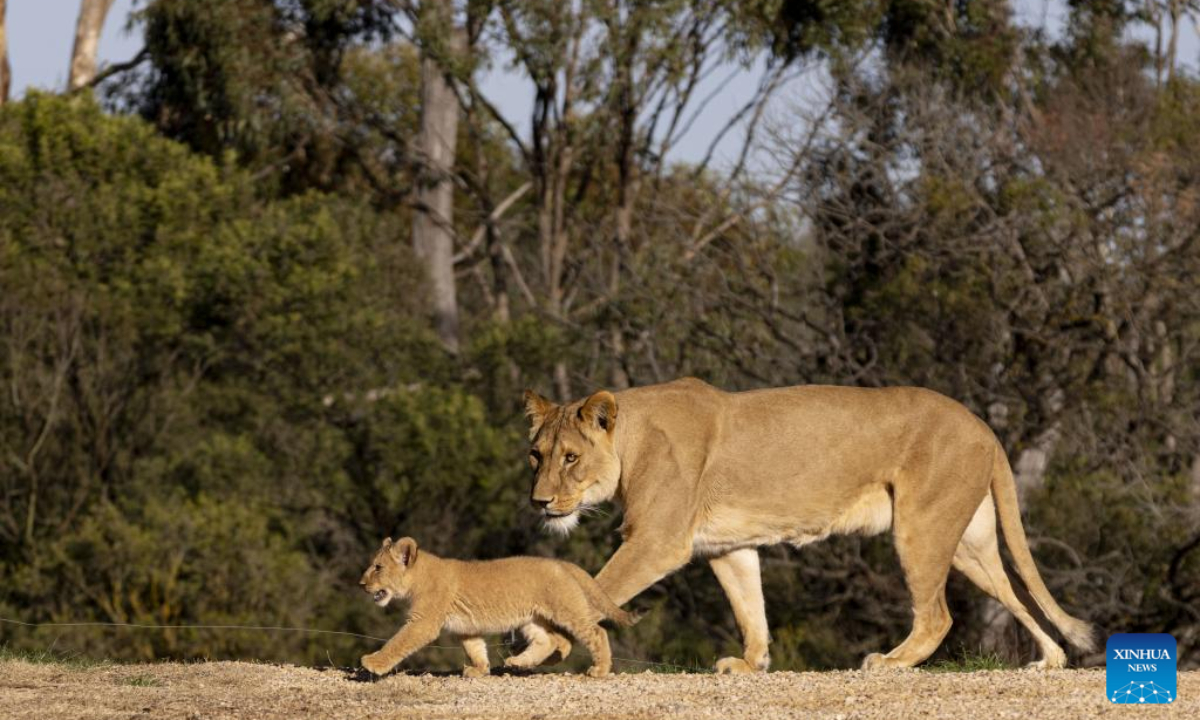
<point x="1079" y="633"/>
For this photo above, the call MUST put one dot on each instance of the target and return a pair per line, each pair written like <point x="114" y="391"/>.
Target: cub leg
<point x="596" y="641"/>
<point x="544" y="641"/>
<point x="978" y="557"/>
<point x="411" y="638"/>
<point x="738" y="573"/>
<point x="477" y="655"/>
<point x="595" y="638"/>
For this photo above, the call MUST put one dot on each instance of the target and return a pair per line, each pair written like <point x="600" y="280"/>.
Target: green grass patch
<point x="50" y="657"/>
<point x="969" y="662"/>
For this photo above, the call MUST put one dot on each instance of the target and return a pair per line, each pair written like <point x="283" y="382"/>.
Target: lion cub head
<point x="390" y="573"/>
<point x="575" y="463"/>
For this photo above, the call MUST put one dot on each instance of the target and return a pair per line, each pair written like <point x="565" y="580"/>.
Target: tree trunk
<point x="627" y="115"/>
<point x="433" y="221"/>
<point x="5" y="71"/>
<point x="87" y="41"/>
<point x="1173" y="39"/>
<point x="619" y="378"/>
<point x="552" y="233"/>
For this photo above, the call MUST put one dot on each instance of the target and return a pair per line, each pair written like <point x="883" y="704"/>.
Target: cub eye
<point x="571" y="457"/>
<point x="535" y="457"/>
<point x="378" y="567"/>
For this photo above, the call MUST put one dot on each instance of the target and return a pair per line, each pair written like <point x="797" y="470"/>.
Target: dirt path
<point x="243" y="690"/>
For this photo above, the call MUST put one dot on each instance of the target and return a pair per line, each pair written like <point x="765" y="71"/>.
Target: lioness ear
<point x="536" y="408"/>
<point x="404" y="551"/>
<point x="600" y="409"/>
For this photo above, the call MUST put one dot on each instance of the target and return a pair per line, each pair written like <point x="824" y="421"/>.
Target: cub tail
<point x="600" y="600"/>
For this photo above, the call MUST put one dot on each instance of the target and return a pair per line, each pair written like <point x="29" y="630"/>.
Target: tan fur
<point x="710" y="474"/>
<point x="475" y="598"/>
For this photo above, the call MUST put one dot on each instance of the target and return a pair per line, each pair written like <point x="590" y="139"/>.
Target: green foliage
<point x="220" y="404"/>
<point x="256" y="77"/>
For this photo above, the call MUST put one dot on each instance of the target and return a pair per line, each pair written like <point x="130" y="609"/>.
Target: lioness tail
<point x="1004" y="490"/>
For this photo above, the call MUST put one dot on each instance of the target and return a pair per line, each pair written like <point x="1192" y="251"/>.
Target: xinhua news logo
<point x="1140" y="669"/>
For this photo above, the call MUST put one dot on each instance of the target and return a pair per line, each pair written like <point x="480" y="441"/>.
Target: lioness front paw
<point x="376" y="663"/>
<point x="471" y="671"/>
<point x="597" y="672"/>
<point x="734" y="666"/>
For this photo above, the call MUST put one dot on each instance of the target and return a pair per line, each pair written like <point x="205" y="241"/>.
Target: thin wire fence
<point x="311" y="631"/>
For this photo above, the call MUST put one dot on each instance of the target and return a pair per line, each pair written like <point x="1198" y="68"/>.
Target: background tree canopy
<point x="226" y="273"/>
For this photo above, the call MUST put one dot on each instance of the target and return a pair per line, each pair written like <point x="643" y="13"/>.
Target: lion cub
<point x="475" y="598"/>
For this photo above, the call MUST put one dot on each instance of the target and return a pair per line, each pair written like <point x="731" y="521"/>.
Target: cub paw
<point x="875" y="661"/>
<point x="597" y="671"/>
<point x="470" y="671"/>
<point x="562" y="649"/>
<point x="376" y="663"/>
<point x="734" y="666"/>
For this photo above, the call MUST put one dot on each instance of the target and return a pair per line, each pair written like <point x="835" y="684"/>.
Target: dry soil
<point x="244" y="690"/>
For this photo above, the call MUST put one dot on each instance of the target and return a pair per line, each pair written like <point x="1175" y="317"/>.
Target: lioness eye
<point x="535" y="457"/>
<point x="572" y="457"/>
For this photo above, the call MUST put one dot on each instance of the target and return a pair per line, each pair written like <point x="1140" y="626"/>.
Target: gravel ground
<point x="244" y="690"/>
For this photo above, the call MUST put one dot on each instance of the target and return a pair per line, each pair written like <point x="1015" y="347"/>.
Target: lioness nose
<point x="541" y="503"/>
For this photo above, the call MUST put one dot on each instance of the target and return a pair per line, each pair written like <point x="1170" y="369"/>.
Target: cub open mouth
<point x="380" y="595"/>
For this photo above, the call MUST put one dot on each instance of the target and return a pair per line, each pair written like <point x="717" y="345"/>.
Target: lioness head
<point x="389" y="575"/>
<point x="575" y="464"/>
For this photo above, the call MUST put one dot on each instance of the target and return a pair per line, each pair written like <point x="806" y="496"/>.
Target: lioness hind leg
<point x="740" y="578"/>
<point x="978" y="557"/>
<point x="477" y="655"/>
<point x="932" y="508"/>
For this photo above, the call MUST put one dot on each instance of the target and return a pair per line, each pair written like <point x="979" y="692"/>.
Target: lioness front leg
<point x="411" y="638"/>
<point x="740" y="578"/>
<point x="638" y="564"/>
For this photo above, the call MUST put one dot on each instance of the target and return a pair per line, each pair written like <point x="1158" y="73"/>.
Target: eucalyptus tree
<point x="87" y="41"/>
<point x="5" y="69"/>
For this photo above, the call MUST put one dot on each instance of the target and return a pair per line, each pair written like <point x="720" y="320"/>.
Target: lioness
<point x="706" y="473"/>
<point x="474" y="598"/>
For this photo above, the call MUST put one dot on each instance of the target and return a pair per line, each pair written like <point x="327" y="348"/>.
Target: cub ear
<point x="404" y="551"/>
<point x="600" y="410"/>
<point x="537" y="408"/>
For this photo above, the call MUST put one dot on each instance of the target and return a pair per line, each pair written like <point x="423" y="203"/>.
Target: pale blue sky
<point x="41" y="32"/>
